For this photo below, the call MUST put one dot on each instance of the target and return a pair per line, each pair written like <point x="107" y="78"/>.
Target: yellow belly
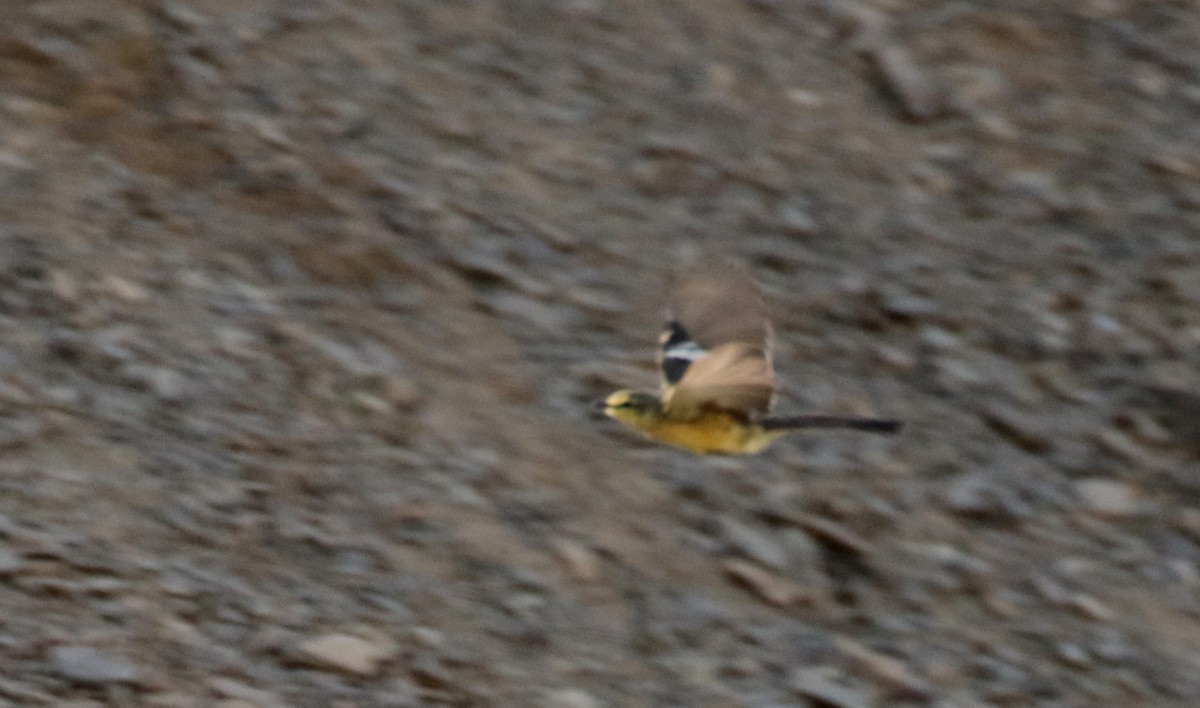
<point x="713" y="432"/>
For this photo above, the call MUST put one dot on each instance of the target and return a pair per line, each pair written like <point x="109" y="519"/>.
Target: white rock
<point x="1108" y="497"/>
<point x="86" y="665"/>
<point x="347" y="653"/>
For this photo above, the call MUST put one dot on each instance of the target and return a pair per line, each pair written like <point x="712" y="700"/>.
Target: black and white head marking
<point x="677" y="352"/>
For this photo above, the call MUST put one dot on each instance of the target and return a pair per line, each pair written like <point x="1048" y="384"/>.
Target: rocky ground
<point x="302" y="305"/>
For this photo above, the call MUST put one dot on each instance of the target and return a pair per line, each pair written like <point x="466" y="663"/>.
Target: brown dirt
<point x="302" y="305"/>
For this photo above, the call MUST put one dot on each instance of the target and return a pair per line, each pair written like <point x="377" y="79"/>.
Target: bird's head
<point x="634" y="408"/>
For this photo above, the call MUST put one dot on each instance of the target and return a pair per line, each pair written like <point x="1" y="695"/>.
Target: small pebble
<point x="754" y="544"/>
<point x="819" y="685"/>
<point x="1090" y="607"/>
<point x="10" y="562"/>
<point x="89" y="666"/>
<point x="347" y="653"/>
<point x="1073" y="654"/>
<point x="570" y="698"/>
<point x="762" y="582"/>
<point x="1125" y="447"/>
<point x="126" y="290"/>
<point x="1107" y="497"/>
<point x="920" y="93"/>
<point x="168" y="384"/>
<point x="891" y="671"/>
<point x="1023" y="429"/>
<point x="581" y="562"/>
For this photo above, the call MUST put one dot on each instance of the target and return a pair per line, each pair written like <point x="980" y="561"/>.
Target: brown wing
<point x="736" y="377"/>
<point x="713" y="304"/>
<point x="719" y="302"/>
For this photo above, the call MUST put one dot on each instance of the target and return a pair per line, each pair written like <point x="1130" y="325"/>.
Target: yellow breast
<point x="713" y="432"/>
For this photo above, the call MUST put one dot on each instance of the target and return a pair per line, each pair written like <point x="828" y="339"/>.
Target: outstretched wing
<point x="713" y="304"/>
<point x="735" y="377"/>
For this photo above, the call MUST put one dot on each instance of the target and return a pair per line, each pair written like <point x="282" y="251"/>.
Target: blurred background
<point x="302" y="305"/>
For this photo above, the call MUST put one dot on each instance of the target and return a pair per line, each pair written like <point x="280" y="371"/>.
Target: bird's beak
<point x="598" y="408"/>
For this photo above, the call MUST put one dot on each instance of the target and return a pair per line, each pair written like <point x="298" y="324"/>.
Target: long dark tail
<point x="798" y="422"/>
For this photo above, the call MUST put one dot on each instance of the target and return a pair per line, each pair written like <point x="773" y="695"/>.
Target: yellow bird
<point x="718" y="384"/>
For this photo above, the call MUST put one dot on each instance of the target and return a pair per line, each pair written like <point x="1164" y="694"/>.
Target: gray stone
<point x="89" y="666"/>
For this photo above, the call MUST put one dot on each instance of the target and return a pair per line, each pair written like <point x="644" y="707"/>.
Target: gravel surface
<point x="302" y="305"/>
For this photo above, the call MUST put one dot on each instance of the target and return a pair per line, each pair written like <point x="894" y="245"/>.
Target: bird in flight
<point x="718" y="384"/>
